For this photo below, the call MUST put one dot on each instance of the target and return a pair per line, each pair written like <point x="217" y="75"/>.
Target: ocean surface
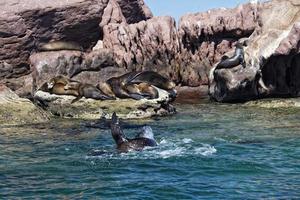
<point x="206" y="151"/>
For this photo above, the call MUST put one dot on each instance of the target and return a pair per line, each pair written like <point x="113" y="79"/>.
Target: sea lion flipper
<point x="130" y="79"/>
<point x="116" y="131"/>
<point x="136" y="96"/>
<point x="76" y="99"/>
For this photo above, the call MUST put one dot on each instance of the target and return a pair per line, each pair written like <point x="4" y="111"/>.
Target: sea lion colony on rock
<point x="129" y="85"/>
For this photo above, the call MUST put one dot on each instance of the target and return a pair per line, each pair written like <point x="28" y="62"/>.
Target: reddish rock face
<point x="205" y="37"/>
<point x="24" y="25"/>
<point x="147" y="45"/>
<point x="46" y="65"/>
<point x="271" y="58"/>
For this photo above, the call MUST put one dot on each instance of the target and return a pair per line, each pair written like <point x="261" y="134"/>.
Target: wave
<point x="165" y="149"/>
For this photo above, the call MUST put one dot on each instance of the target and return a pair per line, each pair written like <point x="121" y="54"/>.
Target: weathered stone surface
<point x="16" y="110"/>
<point x="147" y="45"/>
<point x="46" y="65"/>
<point x="206" y="36"/>
<point x="112" y="14"/>
<point x="135" y="10"/>
<point x="24" y="25"/>
<point x="272" y="58"/>
<point x="276" y="103"/>
<point x="92" y="109"/>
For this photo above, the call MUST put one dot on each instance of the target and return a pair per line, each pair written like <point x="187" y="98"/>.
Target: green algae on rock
<point x="16" y="110"/>
<point x="275" y="103"/>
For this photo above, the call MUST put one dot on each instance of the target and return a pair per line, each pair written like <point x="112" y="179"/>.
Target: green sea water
<point x="206" y="151"/>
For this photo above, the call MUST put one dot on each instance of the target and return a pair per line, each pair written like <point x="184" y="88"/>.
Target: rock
<point x="15" y="110"/>
<point x="112" y="14"/>
<point x="70" y="63"/>
<point x="135" y="10"/>
<point x="24" y="25"/>
<point x="206" y="36"/>
<point x="92" y="109"/>
<point x="272" y="58"/>
<point x="275" y="103"/>
<point x="147" y="45"/>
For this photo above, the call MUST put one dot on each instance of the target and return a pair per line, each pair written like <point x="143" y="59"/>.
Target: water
<point x="206" y="151"/>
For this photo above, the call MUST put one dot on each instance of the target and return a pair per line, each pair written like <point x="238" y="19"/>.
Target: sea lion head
<point x="146" y="133"/>
<point x="170" y="85"/>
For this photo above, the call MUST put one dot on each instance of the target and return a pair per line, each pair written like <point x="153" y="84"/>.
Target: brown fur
<point x="143" y="89"/>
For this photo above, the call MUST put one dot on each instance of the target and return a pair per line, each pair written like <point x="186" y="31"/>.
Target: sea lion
<point x="60" y="45"/>
<point x="106" y="89"/>
<point x="142" y="140"/>
<point x="90" y="91"/>
<point x="152" y="78"/>
<point x="235" y="60"/>
<point x="143" y="89"/>
<point x="118" y="86"/>
<point x="60" y="85"/>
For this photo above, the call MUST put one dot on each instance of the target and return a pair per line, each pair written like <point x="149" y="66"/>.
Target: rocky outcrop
<point x="272" y="58"/>
<point x="16" y="110"/>
<point x="24" y="25"/>
<point x="60" y="105"/>
<point x="46" y="65"/>
<point x="147" y="45"/>
<point x="206" y="36"/>
<point x="134" y="10"/>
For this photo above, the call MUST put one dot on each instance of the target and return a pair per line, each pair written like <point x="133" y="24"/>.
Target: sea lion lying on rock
<point x="139" y="85"/>
<point x="142" y="89"/>
<point x="235" y="60"/>
<point x="60" y="45"/>
<point x="124" y="144"/>
<point x="62" y="85"/>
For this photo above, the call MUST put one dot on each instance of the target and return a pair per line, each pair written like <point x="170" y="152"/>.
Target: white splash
<point x="206" y="150"/>
<point x="187" y="140"/>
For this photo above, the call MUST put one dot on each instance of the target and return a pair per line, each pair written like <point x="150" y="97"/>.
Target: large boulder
<point x="206" y="36"/>
<point x="46" y="65"/>
<point x="24" y="25"/>
<point x="16" y="110"/>
<point x="272" y="57"/>
<point x="147" y="45"/>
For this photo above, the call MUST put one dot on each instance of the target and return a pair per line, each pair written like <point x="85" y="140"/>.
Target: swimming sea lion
<point x="235" y="60"/>
<point x="124" y="144"/>
<point x="152" y="78"/>
<point x="60" y="45"/>
<point x="143" y="89"/>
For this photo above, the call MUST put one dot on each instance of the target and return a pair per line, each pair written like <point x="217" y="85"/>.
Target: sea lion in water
<point x="235" y="60"/>
<point x="124" y="144"/>
<point x="60" y="45"/>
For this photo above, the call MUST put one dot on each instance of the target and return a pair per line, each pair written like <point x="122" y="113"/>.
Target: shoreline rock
<point x="60" y="105"/>
<point x="16" y="110"/>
